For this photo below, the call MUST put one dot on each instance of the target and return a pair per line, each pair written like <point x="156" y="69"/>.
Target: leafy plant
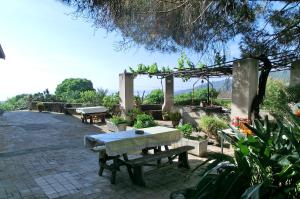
<point x="211" y="125"/>
<point x="144" y="121"/>
<point x="118" y="120"/>
<point x="186" y="129"/>
<point x="132" y="114"/>
<point x="266" y="164"/>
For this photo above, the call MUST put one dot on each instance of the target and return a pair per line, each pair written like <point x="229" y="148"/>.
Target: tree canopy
<point x="72" y="87"/>
<point x="169" y="25"/>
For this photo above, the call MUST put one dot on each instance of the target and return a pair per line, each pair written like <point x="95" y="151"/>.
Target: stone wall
<point x="192" y="114"/>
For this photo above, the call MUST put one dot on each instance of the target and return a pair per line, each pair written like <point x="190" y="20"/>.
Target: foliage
<point x="175" y="116"/>
<point x="266" y="164"/>
<point x="111" y="101"/>
<point x="222" y="102"/>
<point x="201" y="26"/>
<point x="199" y="95"/>
<point x="69" y="90"/>
<point x="276" y="100"/>
<point x="133" y="113"/>
<point x="92" y="97"/>
<point x="118" y="120"/>
<point x="144" y="121"/>
<point x="211" y="125"/>
<point x="150" y="69"/>
<point x="15" y="103"/>
<point x="156" y="96"/>
<point x="293" y="93"/>
<point x="40" y="106"/>
<point x="186" y="129"/>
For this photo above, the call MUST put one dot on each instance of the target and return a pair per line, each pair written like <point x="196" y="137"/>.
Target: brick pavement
<point x="42" y="156"/>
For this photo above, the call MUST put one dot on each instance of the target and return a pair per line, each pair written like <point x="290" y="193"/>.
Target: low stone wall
<point x="59" y="107"/>
<point x="153" y="109"/>
<point x="192" y="114"/>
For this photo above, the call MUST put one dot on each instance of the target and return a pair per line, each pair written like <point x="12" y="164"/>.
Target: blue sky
<point x="44" y="45"/>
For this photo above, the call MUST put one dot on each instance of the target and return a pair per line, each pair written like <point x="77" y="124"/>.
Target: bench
<point x="117" y="162"/>
<point x="137" y="164"/>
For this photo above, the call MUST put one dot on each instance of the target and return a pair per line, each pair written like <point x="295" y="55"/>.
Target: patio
<point x="42" y="156"/>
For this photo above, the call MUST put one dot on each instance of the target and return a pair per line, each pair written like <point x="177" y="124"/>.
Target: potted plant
<point x="144" y="121"/>
<point x="116" y="124"/>
<point x="211" y="125"/>
<point x="175" y="118"/>
<point x="166" y="116"/>
<point x="199" y="143"/>
<point x="40" y="106"/>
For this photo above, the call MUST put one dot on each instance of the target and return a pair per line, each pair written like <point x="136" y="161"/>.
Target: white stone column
<point x="168" y="94"/>
<point x="126" y="92"/>
<point x="244" y="87"/>
<point x="295" y="73"/>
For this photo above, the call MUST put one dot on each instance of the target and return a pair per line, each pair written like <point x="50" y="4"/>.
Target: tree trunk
<point x="263" y="78"/>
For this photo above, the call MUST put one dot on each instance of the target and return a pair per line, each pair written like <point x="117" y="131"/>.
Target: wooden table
<point x="91" y="113"/>
<point x="115" y="145"/>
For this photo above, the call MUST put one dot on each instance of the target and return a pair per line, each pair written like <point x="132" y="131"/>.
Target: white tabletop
<point x="118" y="143"/>
<point x="94" y="109"/>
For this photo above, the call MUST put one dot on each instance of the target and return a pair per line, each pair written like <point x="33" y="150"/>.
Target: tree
<point x="70" y="89"/>
<point x="265" y="28"/>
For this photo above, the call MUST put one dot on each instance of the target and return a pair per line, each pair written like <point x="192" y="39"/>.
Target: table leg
<point x="91" y="119"/>
<point x="158" y="149"/>
<point x="169" y="158"/>
<point x="128" y="168"/>
<point x="114" y="169"/>
<point x="102" y="163"/>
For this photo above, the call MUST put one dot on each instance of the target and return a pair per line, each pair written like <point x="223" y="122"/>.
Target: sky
<point x="44" y="44"/>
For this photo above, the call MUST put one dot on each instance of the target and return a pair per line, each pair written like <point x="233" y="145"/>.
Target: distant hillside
<point x="226" y="85"/>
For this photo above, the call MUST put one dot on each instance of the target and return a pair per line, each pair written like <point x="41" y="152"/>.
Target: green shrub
<point x="132" y="114"/>
<point x="186" y="129"/>
<point x="175" y="118"/>
<point x="144" y="121"/>
<point x="293" y="93"/>
<point x="199" y="95"/>
<point x="40" y="106"/>
<point x="154" y="97"/>
<point x="211" y="125"/>
<point x="118" y="120"/>
<point x="276" y="100"/>
<point x="222" y="102"/>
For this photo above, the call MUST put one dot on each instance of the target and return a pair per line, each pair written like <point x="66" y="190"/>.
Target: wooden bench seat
<point x="138" y="163"/>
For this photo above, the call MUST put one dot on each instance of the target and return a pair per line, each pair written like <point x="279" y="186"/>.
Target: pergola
<point x="243" y="71"/>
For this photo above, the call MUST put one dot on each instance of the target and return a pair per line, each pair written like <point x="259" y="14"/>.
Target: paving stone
<point x="42" y="156"/>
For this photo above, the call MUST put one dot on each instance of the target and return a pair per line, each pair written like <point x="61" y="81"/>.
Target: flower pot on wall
<point x="200" y="146"/>
<point x="116" y="127"/>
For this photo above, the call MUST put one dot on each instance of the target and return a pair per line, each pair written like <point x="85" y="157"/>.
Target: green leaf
<point x="252" y="192"/>
<point x="244" y="149"/>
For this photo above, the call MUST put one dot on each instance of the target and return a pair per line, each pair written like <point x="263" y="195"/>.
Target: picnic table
<point x="92" y="113"/>
<point x="113" y="146"/>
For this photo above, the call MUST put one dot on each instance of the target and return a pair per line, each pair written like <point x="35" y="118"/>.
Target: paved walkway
<point x="42" y="156"/>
